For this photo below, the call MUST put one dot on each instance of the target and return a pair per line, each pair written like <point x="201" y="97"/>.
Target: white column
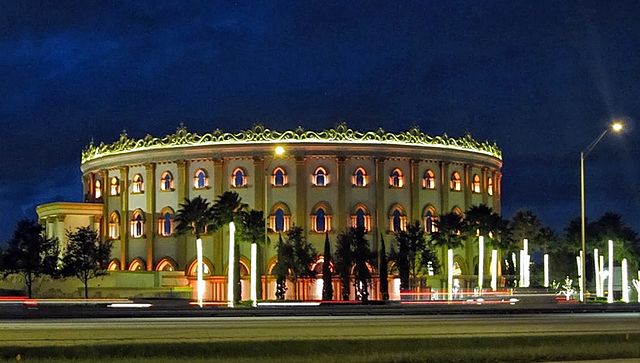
<point x="494" y="270"/>
<point x="610" y="281"/>
<point x="480" y="263"/>
<point x="254" y="262"/>
<point x="602" y="274"/>
<point x="596" y="267"/>
<point x="579" y="264"/>
<point x="199" y="272"/>
<point x="230" y="270"/>
<point x="625" y="281"/>
<point x="450" y="274"/>
<point x="521" y="270"/>
<point x="546" y="270"/>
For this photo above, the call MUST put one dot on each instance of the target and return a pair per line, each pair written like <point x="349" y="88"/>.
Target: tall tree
<point x="384" y="270"/>
<point x="327" y="285"/>
<point x="29" y="253"/>
<point x="282" y="267"/>
<point x="194" y="216"/>
<point x="363" y="258"/>
<point x="414" y="256"/>
<point x="296" y="256"/>
<point x="344" y="261"/>
<point x="86" y="257"/>
<point x="448" y="235"/>
<point x="525" y="224"/>
<point x="252" y="231"/>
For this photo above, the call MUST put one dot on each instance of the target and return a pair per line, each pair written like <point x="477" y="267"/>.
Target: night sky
<point x="542" y="79"/>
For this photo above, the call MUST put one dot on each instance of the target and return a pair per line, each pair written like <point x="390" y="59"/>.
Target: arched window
<point x="114" y="226"/>
<point x="321" y="217"/>
<point x="137" y="265"/>
<point x="114" y="186"/>
<point x="430" y="219"/>
<point x="475" y="184"/>
<point x="456" y="182"/>
<point x="279" y="218"/>
<point x="279" y="177"/>
<point x="359" y="178"/>
<point x="320" y="177"/>
<point x="238" y="178"/>
<point x="114" y="265"/>
<point x="206" y="267"/>
<point x="360" y="217"/>
<point x="137" y="184"/>
<point x="490" y="186"/>
<point x="137" y="224"/>
<point x="166" y="181"/>
<point x="165" y="222"/>
<point x="200" y="179"/>
<point x="396" y="179"/>
<point x="429" y="181"/>
<point x="456" y="210"/>
<point x="166" y="264"/>
<point x="98" y="189"/>
<point x="397" y="218"/>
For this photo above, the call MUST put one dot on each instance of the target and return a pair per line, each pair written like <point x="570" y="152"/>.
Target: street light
<point x="616" y="127"/>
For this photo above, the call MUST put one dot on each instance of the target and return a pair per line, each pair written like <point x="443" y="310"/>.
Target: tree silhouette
<point x="327" y="286"/>
<point x="384" y="271"/>
<point x="86" y="257"/>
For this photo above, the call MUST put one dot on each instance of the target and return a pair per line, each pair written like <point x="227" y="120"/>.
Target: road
<point x="41" y="332"/>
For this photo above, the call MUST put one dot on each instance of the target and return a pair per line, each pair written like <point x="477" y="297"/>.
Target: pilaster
<point x="184" y="183"/>
<point x="483" y="187"/>
<point x="380" y="208"/>
<point x="497" y="191"/>
<point x="414" y="190"/>
<point x="302" y="183"/>
<point x="124" y="218"/>
<point x="104" y="225"/>
<point x="220" y="182"/>
<point x="150" y="213"/>
<point x="342" y="183"/>
<point x="261" y="185"/>
<point x="466" y="187"/>
<point x="444" y="187"/>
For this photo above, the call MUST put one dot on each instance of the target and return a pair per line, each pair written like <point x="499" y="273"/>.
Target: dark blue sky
<point x="541" y="79"/>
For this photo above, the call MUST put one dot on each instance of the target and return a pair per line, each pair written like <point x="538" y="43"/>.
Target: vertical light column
<point x="526" y="265"/>
<point x="494" y="270"/>
<point x="450" y="274"/>
<point x="546" y="270"/>
<point x="199" y="272"/>
<point x="625" y="281"/>
<point x="610" y="278"/>
<point x="521" y="271"/>
<point x="603" y="276"/>
<point x="254" y="270"/>
<point x="480" y="262"/>
<point x="579" y="264"/>
<point x="231" y="266"/>
<point x="596" y="267"/>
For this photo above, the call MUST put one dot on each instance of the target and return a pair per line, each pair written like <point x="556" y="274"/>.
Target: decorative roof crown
<point x="261" y="134"/>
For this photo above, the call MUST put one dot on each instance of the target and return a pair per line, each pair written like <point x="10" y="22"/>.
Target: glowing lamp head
<point x="617" y="126"/>
<point x="279" y="151"/>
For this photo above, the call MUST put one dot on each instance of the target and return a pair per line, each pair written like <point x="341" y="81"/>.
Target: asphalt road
<point x="39" y="332"/>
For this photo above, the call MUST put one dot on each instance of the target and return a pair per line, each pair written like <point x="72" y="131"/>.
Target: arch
<point x="457" y="210"/>
<point x="318" y="266"/>
<point x="167" y="264"/>
<point x="475" y="183"/>
<point x="166" y="222"/>
<point x="137" y="265"/>
<point x="271" y="265"/>
<point x="396" y="178"/>
<point x="359" y="178"/>
<point x="239" y="178"/>
<point x="114" y="186"/>
<point x="369" y="267"/>
<point x="320" y="177"/>
<point x="279" y="177"/>
<point x="193" y="267"/>
<point x="361" y="217"/>
<point x="200" y="179"/>
<point x="429" y="179"/>
<point x="430" y="218"/>
<point x="114" y="225"/>
<point x="321" y="217"/>
<point x="137" y="184"/>
<point x="456" y="182"/>
<point x="137" y="223"/>
<point x="279" y="217"/>
<point x="397" y="218"/>
<point x="245" y="266"/>
<point x="114" y="265"/>
<point x="166" y="181"/>
<point x="97" y="189"/>
<point x="462" y="264"/>
<point x="490" y="185"/>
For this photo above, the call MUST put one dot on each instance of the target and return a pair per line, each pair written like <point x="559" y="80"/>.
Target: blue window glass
<point x="138" y="225"/>
<point x="167" y="224"/>
<point x="320" y="178"/>
<point x="278" y="179"/>
<point x="239" y="178"/>
<point x="396" y="221"/>
<point x="279" y="220"/>
<point x="167" y="182"/>
<point x="320" y="222"/>
<point x="359" y="178"/>
<point x="360" y="218"/>
<point x="202" y="179"/>
<point x="395" y="177"/>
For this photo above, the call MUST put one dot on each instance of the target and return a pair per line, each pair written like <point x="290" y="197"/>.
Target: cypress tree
<point x="327" y="287"/>
<point x="281" y="271"/>
<point x="384" y="273"/>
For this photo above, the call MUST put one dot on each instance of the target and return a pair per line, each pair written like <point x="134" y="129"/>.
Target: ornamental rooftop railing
<point x="260" y="134"/>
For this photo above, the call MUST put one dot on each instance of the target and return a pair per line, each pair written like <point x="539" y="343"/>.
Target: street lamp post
<point x="615" y="127"/>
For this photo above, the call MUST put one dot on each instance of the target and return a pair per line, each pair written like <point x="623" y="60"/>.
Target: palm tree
<point x="252" y="230"/>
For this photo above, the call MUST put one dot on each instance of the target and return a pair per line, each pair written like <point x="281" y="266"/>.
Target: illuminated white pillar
<point x="636" y="284"/>
<point x="230" y="269"/>
<point x="603" y="276"/>
<point x="546" y="270"/>
<point x="579" y="264"/>
<point x="596" y="267"/>
<point x="494" y="270"/>
<point x="254" y="273"/>
<point x="526" y="265"/>
<point x="610" y="278"/>
<point x="625" y="281"/>
<point x="522" y="283"/>
<point x="199" y="272"/>
<point x="450" y="274"/>
<point x="480" y="263"/>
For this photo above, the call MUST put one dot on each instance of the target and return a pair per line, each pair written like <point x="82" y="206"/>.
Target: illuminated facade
<point x="324" y="182"/>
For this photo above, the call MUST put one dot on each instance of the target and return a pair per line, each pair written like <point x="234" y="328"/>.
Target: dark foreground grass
<point x="454" y="349"/>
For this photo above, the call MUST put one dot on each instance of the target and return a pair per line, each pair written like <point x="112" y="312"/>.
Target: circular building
<point x="322" y="181"/>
